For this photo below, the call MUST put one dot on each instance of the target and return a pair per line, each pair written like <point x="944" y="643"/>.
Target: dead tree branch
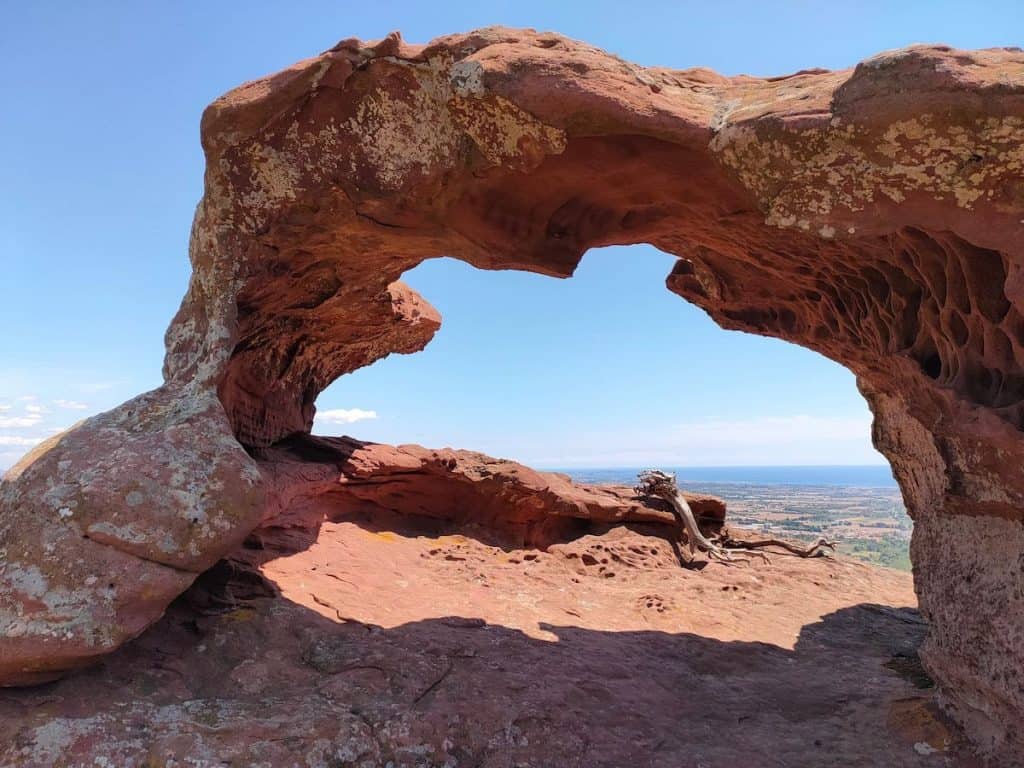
<point x="662" y="485"/>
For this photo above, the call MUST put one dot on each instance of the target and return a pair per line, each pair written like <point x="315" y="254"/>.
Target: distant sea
<point x="875" y="476"/>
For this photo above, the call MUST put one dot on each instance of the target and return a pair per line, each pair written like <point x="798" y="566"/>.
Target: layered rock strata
<point x="311" y="479"/>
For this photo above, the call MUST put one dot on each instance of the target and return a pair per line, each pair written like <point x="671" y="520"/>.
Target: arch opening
<point x="605" y="374"/>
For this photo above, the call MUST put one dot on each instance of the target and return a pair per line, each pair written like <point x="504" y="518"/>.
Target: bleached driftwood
<point x="654" y="482"/>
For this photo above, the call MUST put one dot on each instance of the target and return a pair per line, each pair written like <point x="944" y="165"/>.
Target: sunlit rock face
<point x="875" y="215"/>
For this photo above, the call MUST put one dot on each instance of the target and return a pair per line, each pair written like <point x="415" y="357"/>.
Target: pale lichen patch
<point x="402" y="137"/>
<point x="805" y="174"/>
<point x="506" y="134"/>
<point x="410" y="126"/>
<point x="467" y="78"/>
<point x="66" y="616"/>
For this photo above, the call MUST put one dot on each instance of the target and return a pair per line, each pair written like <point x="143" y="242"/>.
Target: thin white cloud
<point x="71" y="405"/>
<point x="19" y="422"/>
<point x="26" y="442"/>
<point x="344" y="415"/>
<point x="771" y="430"/>
<point x="101" y="386"/>
<point x="798" y="439"/>
<point x="26" y="398"/>
<point x="36" y="409"/>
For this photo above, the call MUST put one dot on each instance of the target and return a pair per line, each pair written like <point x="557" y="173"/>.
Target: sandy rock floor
<point x="400" y="644"/>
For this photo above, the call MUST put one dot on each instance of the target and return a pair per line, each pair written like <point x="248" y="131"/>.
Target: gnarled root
<point x="817" y="549"/>
<point x="654" y="482"/>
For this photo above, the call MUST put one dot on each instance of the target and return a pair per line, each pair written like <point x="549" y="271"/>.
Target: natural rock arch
<point x="874" y="215"/>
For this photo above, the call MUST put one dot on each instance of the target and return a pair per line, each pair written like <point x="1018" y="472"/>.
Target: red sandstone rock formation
<point x="875" y="215"/>
<point x="310" y="479"/>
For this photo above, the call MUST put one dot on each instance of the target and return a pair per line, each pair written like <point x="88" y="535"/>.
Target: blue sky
<point x="100" y="170"/>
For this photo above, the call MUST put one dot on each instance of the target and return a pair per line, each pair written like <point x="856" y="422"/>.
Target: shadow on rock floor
<point x="276" y="683"/>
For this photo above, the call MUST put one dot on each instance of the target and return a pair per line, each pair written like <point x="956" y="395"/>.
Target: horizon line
<point x="711" y="466"/>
